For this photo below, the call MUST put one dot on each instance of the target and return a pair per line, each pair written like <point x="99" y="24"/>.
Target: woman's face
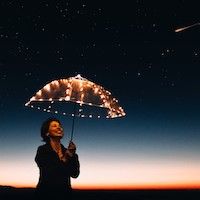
<point x="55" y="129"/>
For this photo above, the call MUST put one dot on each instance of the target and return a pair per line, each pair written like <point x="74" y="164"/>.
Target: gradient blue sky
<point x="131" y="50"/>
<point x="148" y="146"/>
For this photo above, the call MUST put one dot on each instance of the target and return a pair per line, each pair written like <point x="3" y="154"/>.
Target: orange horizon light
<point x="155" y="186"/>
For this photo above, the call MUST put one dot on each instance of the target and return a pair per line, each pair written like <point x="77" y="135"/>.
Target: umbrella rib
<point x="63" y="99"/>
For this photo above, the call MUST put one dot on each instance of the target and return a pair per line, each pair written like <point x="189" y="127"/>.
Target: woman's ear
<point x="47" y="134"/>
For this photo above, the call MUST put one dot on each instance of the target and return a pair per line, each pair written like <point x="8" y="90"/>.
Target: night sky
<point x="131" y="49"/>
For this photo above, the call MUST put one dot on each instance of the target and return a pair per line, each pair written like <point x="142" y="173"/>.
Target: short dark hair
<point x="45" y="128"/>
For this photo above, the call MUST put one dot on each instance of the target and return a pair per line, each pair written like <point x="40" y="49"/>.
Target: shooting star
<point x="186" y="27"/>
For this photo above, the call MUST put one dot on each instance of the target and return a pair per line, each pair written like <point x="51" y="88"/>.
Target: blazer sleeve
<point x="74" y="166"/>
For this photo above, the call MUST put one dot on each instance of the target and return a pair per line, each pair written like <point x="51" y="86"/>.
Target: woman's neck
<point x="55" y="141"/>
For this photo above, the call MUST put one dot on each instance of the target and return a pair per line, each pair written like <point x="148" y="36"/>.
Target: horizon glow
<point x="111" y="174"/>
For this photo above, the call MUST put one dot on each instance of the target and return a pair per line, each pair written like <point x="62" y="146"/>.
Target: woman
<point x="56" y="163"/>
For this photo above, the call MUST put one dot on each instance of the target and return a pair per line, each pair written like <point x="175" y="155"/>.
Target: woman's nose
<point x="60" y="128"/>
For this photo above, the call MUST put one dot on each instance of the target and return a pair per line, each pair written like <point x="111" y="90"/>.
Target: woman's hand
<point x="71" y="150"/>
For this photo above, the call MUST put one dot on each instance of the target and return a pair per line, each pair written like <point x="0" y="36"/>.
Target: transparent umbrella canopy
<point x="76" y="97"/>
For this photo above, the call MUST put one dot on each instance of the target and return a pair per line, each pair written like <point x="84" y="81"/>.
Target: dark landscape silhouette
<point x="8" y="192"/>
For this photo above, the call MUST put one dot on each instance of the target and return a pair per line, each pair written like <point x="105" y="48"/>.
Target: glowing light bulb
<point x="47" y="87"/>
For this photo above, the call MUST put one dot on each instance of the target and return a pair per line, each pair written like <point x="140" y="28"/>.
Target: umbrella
<point x="76" y="97"/>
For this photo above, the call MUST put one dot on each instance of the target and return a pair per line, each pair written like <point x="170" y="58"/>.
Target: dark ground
<point x="7" y="193"/>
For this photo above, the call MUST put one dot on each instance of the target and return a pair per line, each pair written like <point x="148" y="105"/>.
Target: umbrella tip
<point x="79" y="77"/>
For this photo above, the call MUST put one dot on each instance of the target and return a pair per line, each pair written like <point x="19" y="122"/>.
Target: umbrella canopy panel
<point x="93" y="99"/>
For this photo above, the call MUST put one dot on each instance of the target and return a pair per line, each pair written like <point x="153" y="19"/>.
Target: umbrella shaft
<point x="72" y="133"/>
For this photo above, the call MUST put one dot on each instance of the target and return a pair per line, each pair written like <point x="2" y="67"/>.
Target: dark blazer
<point x="54" y="173"/>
